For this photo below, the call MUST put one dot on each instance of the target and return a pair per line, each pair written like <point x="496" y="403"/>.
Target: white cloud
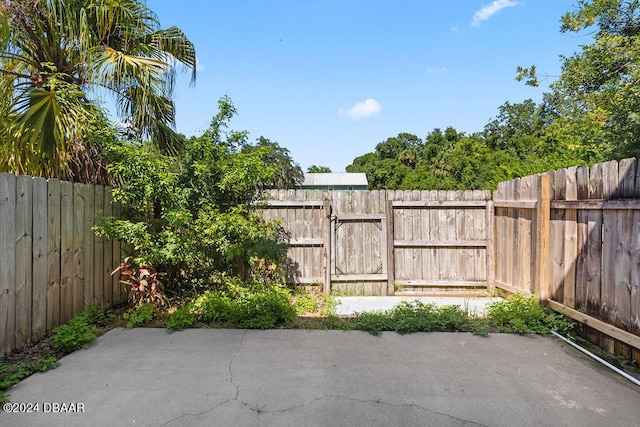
<point x="436" y="70"/>
<point x="489" y="10"/>
<point x="362" y="110"/>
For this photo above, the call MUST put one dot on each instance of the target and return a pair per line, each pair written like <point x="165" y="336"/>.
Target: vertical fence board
<point x="558" y="185"/>
<point x="390" y="246"/>
<point x="119" y="292"/>
<point x="634" y="293"/>
<point x="594" y="245"/>
<point x="39" y="259"/>
<point x="518" y="242"/>
<point x="570" y="240"/>
<point x="426" y="253"/>
<point x="407" y="231"/>
<point x="7" y="262"/>
<point x="89" y="212"/>
<point x="23" y="234"/>
<point x="491" y="251"/>
<point x="78" y="250"/>
<point x="510" y="235"/>
<point x="610" y="243"/>
<point x="582" y="184"/>
<point x="327" y="248"/>
<point x="500" y="236"/>
<point x="109" y="264"/>
<point x="399" y="234"/>
<point x="98" y="248"/>
<point x="67" y="253"/>
<point x="543" y="228"/>
<point x="53" y="254"/>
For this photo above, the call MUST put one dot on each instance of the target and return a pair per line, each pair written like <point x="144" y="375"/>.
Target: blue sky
<point x="331" y="79"/>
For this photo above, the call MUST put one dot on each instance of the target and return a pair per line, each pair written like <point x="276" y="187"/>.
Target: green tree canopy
<point x="596" y="99"/>
<point x="286" y="173"/>
<point x="318" y="169"/>
<point x="56" y="56"/>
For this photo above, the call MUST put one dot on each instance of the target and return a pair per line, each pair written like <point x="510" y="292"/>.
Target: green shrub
<point x="259" y="307"/>
<point x="181" y="319"/>
<point x="415" y="316"/>
<point x="374" y="322"/>
<point x="452" y="318"/>
<point x="264" y="309"/>
<point x="304" y="303"/>
<point x="523" y="314"/>
<point x="76" y="334"/>
<point x="192" y="214"/>
<point x="139" y="315"/>
<point x="214" y="306"/>
<point x="93" y="314"/>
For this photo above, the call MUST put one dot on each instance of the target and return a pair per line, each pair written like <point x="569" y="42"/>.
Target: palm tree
<point x="57" y="57"/>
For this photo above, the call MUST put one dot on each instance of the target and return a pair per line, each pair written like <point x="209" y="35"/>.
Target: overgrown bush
<point x="257" y="307"/>
<point x="264" y="309"/>
<point x="523" y="314"/>
<point x="193" y="215"/>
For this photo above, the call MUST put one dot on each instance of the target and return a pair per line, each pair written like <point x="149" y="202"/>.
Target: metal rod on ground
<point x="604" y="362"/>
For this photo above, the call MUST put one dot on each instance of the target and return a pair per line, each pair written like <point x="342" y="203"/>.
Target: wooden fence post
<point x="391" y="266"/>
<point x="326" y="244"/>
<point x="490" y="230"/>
<point x="543" y="221"/>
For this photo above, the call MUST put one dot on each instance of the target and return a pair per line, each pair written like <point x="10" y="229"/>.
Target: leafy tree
<point x="318" y="169"/>
<point x="596" y="99"/>
<point x="286" y="173"/>
<point x="192" y="215"/>
<point x="57" y="56"/>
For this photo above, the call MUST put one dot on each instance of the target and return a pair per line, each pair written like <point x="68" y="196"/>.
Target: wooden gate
<point x="387" y="242"/>
<point x="360" y="249"/>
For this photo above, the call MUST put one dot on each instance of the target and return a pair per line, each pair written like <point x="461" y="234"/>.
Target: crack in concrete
<point x="378" y="401"/>
<point x="233" y="357"/>
<point x="230" y="369"/>
<point x="259" y="410"/>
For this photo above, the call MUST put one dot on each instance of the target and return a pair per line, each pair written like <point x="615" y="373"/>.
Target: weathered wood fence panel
<point x="51" y="263"/>
<point x="387" y="242"/>
<point x="593" y="259"/>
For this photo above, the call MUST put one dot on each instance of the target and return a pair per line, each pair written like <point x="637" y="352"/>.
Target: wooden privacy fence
<point x="573" y="237"/>
<point x="387" y="242"/>
<point x="51" y="263"/>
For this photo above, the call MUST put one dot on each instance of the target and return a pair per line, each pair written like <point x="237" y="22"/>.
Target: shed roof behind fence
<point x="335" y="179"/>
